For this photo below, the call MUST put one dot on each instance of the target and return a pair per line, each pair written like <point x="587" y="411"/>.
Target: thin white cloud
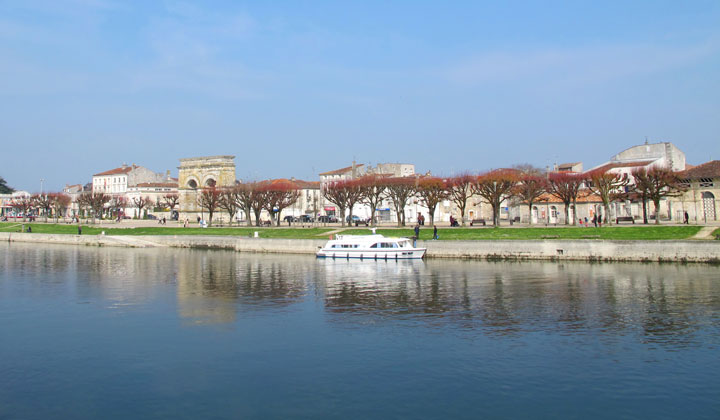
<point x="576" y="65"/>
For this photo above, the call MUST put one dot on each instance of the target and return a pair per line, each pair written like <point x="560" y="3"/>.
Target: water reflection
<point x="669" y="305"/>
<point x="213" y="288"/>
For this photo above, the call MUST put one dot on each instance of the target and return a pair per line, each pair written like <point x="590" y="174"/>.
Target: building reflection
<point x="660" y="303"/>
<point x="213" y="287"/>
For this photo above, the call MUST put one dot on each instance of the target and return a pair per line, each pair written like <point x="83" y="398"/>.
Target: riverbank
<point x="547" y="249"/>
<point x="518" y="232"/>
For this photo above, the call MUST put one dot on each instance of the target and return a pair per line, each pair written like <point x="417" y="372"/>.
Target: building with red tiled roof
<point x="701" y="201"/>
<point x="117" y="180"/>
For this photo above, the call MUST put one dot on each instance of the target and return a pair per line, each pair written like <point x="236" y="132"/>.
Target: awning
<point x="329" y="208"/>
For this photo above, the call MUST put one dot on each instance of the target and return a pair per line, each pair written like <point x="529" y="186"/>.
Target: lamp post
<point x="41" y="185"/>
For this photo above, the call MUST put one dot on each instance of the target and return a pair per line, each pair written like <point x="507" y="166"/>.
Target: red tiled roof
<point x="307" y="185"/>
<point x="117" y="171"/>
<point x="341" y="170"/>
<point x="583" y="197"/>
<point x="706" y="170"/>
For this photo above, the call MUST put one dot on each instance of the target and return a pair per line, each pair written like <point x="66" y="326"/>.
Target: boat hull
<point x="366" y="254"/>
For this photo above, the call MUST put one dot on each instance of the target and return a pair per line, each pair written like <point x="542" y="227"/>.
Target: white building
<point x="117" y="181"/>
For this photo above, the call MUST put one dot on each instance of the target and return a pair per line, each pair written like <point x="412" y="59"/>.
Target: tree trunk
<point x="400" y="215"/>
<point x="257" y="216"/>
<point x="645" y="218"/>
<point x="372" y="216"/>
<point x="567" y="213"/>
<point x="575" y="216"/>
<point x="248" y="212"/>
<point x="462" y="215"/>
<point x="607" y="213"/>
<point x="496" y="214"/>
<point x="657" y="211"/>
<point x="432" y="215"/>
<point x="342" y="215"/>
<point x="530" y="215"/>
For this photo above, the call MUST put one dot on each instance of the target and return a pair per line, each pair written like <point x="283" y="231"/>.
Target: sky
<point x="295" y="88"/>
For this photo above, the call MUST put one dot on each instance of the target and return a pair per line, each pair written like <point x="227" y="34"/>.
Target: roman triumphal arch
<point x="197" y="173"/>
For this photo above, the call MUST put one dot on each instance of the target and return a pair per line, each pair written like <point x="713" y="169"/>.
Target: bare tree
<point x="460" y="188"/>
<point x="209" y="199"/>
<point x="140" y="203"/>
<point x="372" y="192"/>
<point x="171" y="200"/>
<point x="399" y="190"/>
<point x="495" y="187"/>
<point x="279" y="195"/>
<point x="530" y="189"/>
<point x="655" y="184"/>
<point x="229" y="201"/>
<point x="355" y="194"/>
<point x="432" y="191"/>
<point x="339" y="194"/>
<point x="566" y="187"/>
<point x="22" y="205"/>
<point x="608" y="186"/>
<point x="117" y="206"/>
<point x="59" y="203"/>
<point x="43" y="201"/>
<point x="250" y="199"/>
<point x="95" y="201"/>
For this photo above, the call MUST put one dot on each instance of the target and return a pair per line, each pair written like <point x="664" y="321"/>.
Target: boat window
<point x="373" y="246"/>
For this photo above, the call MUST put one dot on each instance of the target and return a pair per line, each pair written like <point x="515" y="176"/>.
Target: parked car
<point x="356" y="220"/>
<point x="327" y="219"/>
<point x="290" y="219"/>
<point x="151" y="217"/>
<point x="305" y="218"/>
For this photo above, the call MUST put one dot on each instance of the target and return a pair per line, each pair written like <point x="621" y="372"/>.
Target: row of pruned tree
<point x="99" y="204"/>
<point x="272" y="196"/>
<point x="495" y="187"/>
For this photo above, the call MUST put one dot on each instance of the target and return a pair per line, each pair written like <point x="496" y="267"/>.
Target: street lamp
<point x="41" y="185"/>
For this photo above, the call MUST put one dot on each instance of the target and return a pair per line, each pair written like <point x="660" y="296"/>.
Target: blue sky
<point x="296" y="88"/>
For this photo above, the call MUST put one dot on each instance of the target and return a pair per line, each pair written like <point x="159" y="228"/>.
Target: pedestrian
<point x="586" y="221"/>
<point x="594" y="220"/>
<point x="417" y="235"/>
<point x="687" y="218"/>
<point x="29" y="229"/>
<point x="79" y="228"/>
<point x="599" y="219"/>
<point x="185" y="224"/>
<point x="435" y="235"/>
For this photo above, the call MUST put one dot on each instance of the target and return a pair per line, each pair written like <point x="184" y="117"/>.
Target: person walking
<point x="79" y="227"/>
<point x="417" y="235"/>
<point x="595" y="220"/>
<point x="687" y="218"/>
<point x="435" y="236"/>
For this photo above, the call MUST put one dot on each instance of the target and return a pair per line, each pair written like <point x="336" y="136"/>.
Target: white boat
<point x="370" y="247"/>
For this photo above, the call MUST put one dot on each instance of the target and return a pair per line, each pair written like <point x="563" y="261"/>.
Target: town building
<point x="701" y="200"/>
<point x="117" y="180"/>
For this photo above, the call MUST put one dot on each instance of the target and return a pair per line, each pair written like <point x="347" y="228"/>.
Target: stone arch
<point x="192" y="184"/>
<point x="210" y="182"/>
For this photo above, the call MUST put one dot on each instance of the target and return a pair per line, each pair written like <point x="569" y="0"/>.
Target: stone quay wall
<point x="553" y="250"/>
<point x="582" y="250"/>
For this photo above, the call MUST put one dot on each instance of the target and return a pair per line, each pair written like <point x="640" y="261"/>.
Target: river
<point x="109" y="333"/>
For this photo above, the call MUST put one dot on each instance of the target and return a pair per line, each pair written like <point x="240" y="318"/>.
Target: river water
<point x="167" y="333"/>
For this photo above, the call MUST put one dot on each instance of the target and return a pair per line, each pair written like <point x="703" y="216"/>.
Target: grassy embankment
<point x="517" y="233"/>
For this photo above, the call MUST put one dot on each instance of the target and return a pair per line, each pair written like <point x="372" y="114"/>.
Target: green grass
<point x="614" y="233"/>
<point x="520" y="233"/>
<point x="264" y="232"/>
<point x="716" y="234"/>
